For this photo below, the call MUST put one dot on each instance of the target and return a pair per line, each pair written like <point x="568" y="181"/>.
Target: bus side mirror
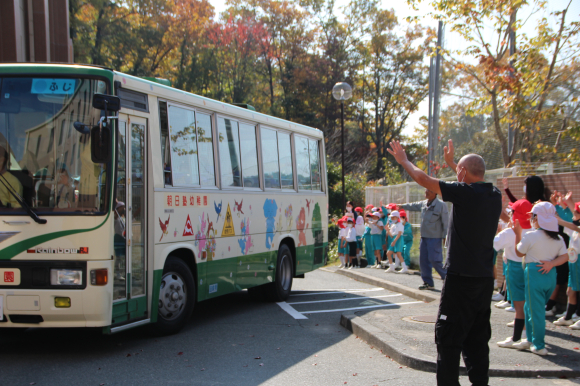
<point x="106" y="102"/>
<point x="100" y="144"/>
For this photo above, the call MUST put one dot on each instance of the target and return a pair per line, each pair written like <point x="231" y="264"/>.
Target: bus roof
<point x="180" y="96"/>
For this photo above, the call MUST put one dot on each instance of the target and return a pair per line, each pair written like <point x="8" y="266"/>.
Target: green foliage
<point x="354" y="189"/>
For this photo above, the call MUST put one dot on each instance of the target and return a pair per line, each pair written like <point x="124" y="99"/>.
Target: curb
<point x="425" y="296"/>
<point x="401" y="353"/>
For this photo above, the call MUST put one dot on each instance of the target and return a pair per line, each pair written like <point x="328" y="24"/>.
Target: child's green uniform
<point x="368" y="241"/>
<point x="408" y="240"/>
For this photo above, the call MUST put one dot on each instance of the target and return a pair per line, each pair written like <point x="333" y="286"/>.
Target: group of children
<point x="532" y="248"/>
<point x="386" y="233"/>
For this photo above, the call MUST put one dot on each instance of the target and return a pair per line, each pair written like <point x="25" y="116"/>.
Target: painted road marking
<point x="337" y="291"/>
<point x="360" y="308"/>
<point x="342" y="299"/>
<point x="291" y="311"/>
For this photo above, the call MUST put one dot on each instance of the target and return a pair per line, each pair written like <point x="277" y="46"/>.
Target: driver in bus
<point x="8" y="181"/>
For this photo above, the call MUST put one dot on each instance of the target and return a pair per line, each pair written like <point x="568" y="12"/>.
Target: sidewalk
<point x="411" y="342"/>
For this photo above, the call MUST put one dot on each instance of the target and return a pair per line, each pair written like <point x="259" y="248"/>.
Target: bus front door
<point x="130" y="276"/>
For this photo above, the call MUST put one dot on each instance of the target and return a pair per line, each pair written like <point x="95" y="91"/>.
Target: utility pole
<point x="512" y="52"/>
<point x="435" y="101"/>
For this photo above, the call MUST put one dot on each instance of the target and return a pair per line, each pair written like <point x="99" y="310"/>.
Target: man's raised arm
<point x="416" y="174"/>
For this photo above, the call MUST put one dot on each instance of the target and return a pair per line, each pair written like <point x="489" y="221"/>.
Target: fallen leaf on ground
<point x="128" y="355"/>
<point x="180" y="353"/>
<point x="261" y="364"/>
<point x="258" y="358"/>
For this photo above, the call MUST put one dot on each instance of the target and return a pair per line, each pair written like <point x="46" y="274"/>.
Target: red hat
<point x="369" y="206"/>
<point x="577" y="207"/>
<point x="402" y="213"/>
<point x="522" y="209"/>
<point x="392" y="206"/>
<point x="358" y="209"/>
<point x="340" y="223"/>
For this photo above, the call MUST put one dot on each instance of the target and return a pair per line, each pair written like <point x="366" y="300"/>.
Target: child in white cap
<point x="397" y="244"/>
<point x="542" y="250"/>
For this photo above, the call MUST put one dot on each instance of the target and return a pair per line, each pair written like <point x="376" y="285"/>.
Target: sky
<point x="402" y="10"/>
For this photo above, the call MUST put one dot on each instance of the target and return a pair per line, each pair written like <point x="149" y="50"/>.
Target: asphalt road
<point x="232" y="340"/>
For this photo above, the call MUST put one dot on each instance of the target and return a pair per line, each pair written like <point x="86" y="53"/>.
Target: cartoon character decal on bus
<point x="300" y="225"/>
<point x="270" y="210"/>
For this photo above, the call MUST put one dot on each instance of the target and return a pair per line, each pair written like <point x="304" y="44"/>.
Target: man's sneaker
<point x="426" y="286"/>
<point x="522" y="345"/>
<point x="575" y="326"/>
<point x="551" y="312"/>
<point x="510" y="309"/>
<point x="563" y="322"/>
<point x="511" y="324"/>
<point x="508" y="343"/>
<point x="541" y="352"/>
<point x="404" y="270"/>
<point x="497" y="297"/>
<point x="390" y="270"/>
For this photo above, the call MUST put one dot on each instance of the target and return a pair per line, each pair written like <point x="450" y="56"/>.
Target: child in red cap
<point x="341" y="242"/>
<point x="514" y="272"/>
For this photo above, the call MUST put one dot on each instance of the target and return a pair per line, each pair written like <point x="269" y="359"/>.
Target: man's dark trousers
<point x="463" y="326"/>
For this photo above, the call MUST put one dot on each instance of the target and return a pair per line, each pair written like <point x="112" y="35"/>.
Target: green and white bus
<point x="124" y="201"/>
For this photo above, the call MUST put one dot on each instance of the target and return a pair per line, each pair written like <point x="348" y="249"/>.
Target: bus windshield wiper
<point x="21" y="201"/>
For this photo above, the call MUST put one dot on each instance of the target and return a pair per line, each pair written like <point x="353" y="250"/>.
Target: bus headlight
<point x="66" y="277"/>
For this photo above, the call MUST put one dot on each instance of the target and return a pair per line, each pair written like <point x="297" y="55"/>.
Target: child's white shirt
<point x="360" y="226"/>
<point x="350" y="235"/>
<point x="341" y="233"/>
<point x="506" y="240"/>
<point x="538" y="246"/>
<point x="396" y="228"/>
<point x="375" y="228"/>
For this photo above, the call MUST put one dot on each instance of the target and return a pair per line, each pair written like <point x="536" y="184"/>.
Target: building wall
<point x="35" y="31"/>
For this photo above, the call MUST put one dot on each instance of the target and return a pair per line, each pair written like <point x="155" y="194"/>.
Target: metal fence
<point x="412" y="192"/>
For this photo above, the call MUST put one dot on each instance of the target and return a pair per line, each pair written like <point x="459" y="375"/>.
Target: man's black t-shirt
<point x="472" y="227"/>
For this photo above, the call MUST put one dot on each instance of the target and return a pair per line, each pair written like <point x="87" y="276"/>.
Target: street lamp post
<point x="341" y="92"/>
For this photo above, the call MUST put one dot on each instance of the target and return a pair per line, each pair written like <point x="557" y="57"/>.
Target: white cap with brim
<point x="376" y="214"/>
<point x="395" y="214"/>
<point x="546" y="215"/>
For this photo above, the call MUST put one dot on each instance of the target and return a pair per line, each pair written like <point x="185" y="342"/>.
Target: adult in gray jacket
<point x="434" y="216"/>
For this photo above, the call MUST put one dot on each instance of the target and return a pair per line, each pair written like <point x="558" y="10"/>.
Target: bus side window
<point x="165" y="150"/>
<point x="270" y="158"/>
<point x="229" y="152"/>
<point x="205" y="147"/>
<point x="303" y="163"/>
<point x="314" y="164"/>
<point x="286" y="166"/>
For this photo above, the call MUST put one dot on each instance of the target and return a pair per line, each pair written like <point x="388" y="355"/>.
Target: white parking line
<point x="291" y="311"/>
<point x="360" y="308"/>
<point x="338" y="291"/>
<point x="343" y="299"/>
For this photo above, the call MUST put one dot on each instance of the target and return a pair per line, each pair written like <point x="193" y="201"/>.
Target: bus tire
<point x="280" y="289"/>
<point x="177" y="296"/>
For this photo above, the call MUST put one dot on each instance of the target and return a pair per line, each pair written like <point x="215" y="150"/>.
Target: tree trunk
<point x="498" y="132"/>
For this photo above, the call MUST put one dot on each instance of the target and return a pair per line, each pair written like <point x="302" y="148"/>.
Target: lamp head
<point x="342" y="91"/>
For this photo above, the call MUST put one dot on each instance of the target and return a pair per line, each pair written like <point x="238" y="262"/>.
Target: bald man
<point x="463" y="325"/>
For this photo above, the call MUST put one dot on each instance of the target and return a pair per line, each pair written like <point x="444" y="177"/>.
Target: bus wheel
<point x="282" y="285"/>
<point x="176" y="297"/>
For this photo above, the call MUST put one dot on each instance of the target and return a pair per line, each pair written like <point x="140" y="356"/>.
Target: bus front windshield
<point x="45" y="146"/>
